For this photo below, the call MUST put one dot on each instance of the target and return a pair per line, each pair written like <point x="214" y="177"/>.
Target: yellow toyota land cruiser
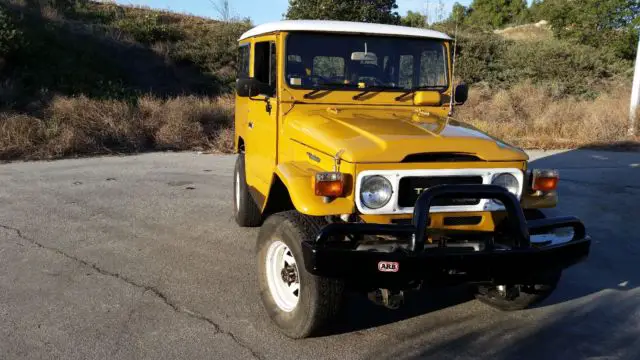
<point x="350" y="161"/>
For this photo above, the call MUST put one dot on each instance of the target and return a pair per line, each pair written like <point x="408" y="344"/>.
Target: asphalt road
<point x="138" y="257"/>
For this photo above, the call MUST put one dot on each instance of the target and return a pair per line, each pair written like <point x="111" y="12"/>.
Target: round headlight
<point x="508" y="182"/>
<point x="375" y="192"/>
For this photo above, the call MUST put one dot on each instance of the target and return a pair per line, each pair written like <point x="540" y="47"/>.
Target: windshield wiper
<point x="328" y="86"/>
<point x="373" y="88"/>
<point x="409" y="92"/>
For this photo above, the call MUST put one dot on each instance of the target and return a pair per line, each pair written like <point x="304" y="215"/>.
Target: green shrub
<point x="10" y="37"/>
<point x="480" y="58"/>
<point x="561" y="66"/>
<point x="148" y="29"/>
<point x="569" y="68"/>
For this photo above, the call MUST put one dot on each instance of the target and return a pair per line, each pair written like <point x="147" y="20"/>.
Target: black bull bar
<point x="520" y="263"/>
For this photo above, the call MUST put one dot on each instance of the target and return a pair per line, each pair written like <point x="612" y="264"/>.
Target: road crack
<point x="152" y="289"/>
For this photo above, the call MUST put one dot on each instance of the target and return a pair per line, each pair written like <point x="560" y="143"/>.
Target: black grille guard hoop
<point x="518" y="227"/>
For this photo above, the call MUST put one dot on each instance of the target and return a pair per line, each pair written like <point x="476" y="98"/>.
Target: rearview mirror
<point x="461" y="93"/>
<point x="250" y="87"/>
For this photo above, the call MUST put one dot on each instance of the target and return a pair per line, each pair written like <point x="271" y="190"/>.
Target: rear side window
<point x="243" y="61"/>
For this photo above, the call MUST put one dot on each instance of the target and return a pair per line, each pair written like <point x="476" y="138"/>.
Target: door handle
<point x="250" y="125"/>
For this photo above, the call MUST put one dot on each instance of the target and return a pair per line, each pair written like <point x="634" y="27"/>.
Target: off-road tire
<point x="319" y="298"/>
<point x="245" y="209"/>
<point x="528" y="295"/>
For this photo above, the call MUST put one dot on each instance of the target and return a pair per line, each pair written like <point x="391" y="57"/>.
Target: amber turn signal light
<point x="545" y="180"/>
<point x="330" y="184"/>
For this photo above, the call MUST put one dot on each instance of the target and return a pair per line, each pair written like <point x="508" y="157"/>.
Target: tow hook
<point x="388" y="298"/>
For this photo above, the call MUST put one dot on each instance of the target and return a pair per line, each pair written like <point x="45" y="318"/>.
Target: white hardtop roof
<point x="343" y="27"/>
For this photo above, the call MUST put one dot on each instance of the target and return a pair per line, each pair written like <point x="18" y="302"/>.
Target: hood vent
<point x="440" y="157"/>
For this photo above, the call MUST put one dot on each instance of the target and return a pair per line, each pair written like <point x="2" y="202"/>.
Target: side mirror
<point x="461" y="94"/>
<point x="250" y="87"/>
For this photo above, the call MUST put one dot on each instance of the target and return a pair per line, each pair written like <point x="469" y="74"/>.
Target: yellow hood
<point x="388" y="135"/>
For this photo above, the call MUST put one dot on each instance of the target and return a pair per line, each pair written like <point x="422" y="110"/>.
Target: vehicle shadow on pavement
<point x="595" y="310"/>
<point x="603" y="190"/>
<point x="360" y="313"/>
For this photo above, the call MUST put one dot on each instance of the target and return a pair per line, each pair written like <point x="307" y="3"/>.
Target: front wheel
<point x="298" y="302"/>
<point x="517" y="297"/>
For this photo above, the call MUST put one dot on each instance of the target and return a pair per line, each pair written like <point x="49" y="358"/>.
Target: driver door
<point x="262" y="110"/>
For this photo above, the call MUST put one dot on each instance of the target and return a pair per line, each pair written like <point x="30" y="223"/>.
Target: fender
<point x="298" y="178"/>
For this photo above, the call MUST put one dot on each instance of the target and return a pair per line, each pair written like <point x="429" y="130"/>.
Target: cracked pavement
<point x="138" y="257"/>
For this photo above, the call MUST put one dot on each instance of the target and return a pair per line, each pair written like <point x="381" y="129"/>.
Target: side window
<point x="265" y="64"/>
<point x="406" y="71"/>
<point x="243" y="61"/>
<point x="433" y="71"/>
<point x="328" y="66"/>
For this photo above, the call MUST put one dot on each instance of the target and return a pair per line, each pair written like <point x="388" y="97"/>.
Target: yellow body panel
<point x="487" y="223"/>
<point x="298" y="177"/>
<point x="301" y="136"/>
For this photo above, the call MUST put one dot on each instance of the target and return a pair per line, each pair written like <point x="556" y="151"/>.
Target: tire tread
<point x="248" y="214"/>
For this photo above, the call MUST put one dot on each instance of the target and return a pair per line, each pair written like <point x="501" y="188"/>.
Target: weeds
<point x="82" y="126"/>
<point x="531" y="117"/>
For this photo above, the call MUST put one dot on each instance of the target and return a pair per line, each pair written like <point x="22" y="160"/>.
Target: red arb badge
<point x="388" y="266"/>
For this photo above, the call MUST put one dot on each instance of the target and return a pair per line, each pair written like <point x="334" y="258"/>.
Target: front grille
<point x="411" y="187"/>
<point x="462" y="220"/>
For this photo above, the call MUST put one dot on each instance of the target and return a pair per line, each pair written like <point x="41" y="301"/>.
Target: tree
<point x="10" y="37"/>
<point x="496" y="13"/>
<point x="414" y="19"/>
<point x="459" y="13"/>
<point x="598" y="23"/>
<point x="223" y="9"/>
<point x="372" y="11"/>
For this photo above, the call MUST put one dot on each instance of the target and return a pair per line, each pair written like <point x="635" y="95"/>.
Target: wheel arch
<point x="239" y="146"/>
<point x="278" y="199"/>
<point x="292" y="189"/>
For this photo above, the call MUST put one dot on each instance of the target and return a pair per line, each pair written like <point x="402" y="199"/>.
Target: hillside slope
<point x="101" y="78"/>
<point x="87" y="78"/>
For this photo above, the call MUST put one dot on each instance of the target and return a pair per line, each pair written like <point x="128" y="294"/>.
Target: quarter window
<point x="243" y="61"/>
<point x="264" y="66"/>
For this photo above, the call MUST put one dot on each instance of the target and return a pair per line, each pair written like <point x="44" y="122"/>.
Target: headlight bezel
<point x="363" y="188"/>
<point x="516" y="184"/>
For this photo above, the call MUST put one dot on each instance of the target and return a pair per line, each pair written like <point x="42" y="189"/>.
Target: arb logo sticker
<point x="388" y="266"/>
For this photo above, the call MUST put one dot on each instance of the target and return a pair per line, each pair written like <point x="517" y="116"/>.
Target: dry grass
<point x="82" y="126"/>
<point x="528" y="32"/>
<point x="530" y="117"/>
<point x="526" y="116"/>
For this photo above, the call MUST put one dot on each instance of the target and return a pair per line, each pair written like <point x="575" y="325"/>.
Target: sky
<point x="262" y="11"/>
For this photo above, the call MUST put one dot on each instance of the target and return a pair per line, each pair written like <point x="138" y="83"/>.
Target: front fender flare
<point x="298" y="178"/>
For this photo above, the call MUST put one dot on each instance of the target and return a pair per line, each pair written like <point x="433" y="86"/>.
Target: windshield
<point x="359" y="61"/>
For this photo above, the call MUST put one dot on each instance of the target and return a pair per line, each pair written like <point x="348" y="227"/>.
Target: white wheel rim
<point x="282" y="276"/>
<point x="237" y="188"/>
